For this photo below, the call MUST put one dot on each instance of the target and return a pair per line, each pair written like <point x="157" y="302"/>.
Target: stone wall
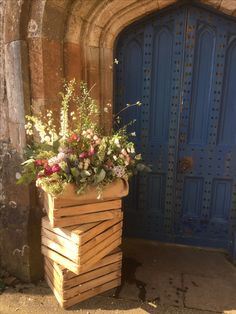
<point x="19" y="216"/>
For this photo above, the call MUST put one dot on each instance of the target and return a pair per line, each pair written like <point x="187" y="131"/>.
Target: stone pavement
<point x="157" y="278"/>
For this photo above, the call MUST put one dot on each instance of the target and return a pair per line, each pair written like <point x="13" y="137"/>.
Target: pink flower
<point x="91" y="151"/>
<point x="56" y="168"/>
<point x="48" y="171"/>
<point x="83" y="155"/>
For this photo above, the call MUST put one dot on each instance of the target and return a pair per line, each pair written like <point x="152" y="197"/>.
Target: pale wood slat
<point x="86" y="208"/>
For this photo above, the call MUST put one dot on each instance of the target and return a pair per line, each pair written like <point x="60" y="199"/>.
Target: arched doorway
<point x="181" y="63"/>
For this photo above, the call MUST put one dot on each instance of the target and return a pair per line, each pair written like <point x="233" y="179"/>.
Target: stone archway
<point x="43" y="42"/>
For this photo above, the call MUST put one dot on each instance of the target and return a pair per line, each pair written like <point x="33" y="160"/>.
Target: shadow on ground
<point x="157" y="278"/>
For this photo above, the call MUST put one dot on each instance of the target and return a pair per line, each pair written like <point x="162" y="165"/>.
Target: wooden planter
<point x="69" y="208"/>
<point x="76" y="248"/>
<point x="70" y="289"/>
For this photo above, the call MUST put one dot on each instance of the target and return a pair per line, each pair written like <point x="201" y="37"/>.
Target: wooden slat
<point x="85" y="277"/>
<point x="109" y="259"/>
<point x="91" y="293"/>
<point x="99" y="238"/>
<point x="64" y="232"/>
<point x="113" y="257"/>
<point x="73" y="256"/>
<point x="94" y="252"/>
<point x="86" y="208"/>
<point x="74" y="267"/>
<point x="83" y="296"/>
<point x="69" y="245"/>
<point x="72" y="251"/>
<point x="56" y="293"/>
<point x="86" y="236"/>
<point x="70" y="234"/>
<point x="57" y="283"/>
<point x="62" y="284"/>
<point x="60" y="259"/>
<point x="87" y="218"/>
<point x="100" y="255"/>
<point x="115" y="190"/>
<point x="56" y="267"/>
<point x="68" y="294"/>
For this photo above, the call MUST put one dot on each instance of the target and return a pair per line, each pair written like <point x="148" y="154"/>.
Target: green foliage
<point x="79" y="151"/>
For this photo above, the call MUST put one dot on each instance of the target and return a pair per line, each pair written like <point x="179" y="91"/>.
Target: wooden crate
<point x="80" y="246"/>
<point x="70" y="289"/>
<point x="69" y="208"/>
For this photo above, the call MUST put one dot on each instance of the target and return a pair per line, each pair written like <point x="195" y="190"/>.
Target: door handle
<point x="186" y="164"/>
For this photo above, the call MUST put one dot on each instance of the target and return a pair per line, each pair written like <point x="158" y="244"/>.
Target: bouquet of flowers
<point x="76" y="150"/>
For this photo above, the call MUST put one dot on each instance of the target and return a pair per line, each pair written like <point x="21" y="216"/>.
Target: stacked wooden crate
<point x="80" y="243"/>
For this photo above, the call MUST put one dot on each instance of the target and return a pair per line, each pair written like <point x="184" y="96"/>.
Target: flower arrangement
<point x="77" y="151"/>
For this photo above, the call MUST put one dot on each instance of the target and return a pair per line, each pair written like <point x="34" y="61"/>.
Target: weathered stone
<point x="72" y="61"/>
<point x="228" y="6"/>
<point x="36" y="68"/>
<point x="54" y="22"/>
<point x="164" y="3"/>
<point x="17" y="84"/>
<point x="213" y="3"/>
<point x="46" y="80"/>
<point x="16" y="19"/>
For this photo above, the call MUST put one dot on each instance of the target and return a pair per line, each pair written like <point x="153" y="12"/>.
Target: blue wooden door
<point x="181" y="64"/>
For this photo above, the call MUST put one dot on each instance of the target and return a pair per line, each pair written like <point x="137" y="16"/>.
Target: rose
<point x="56" y="168"/>
<point x="48" y="171"/>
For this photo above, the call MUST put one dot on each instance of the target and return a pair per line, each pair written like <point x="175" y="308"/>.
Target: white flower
<point x="117" y="142"/>
<point x="105" y="109"/>
<point x="47" y="139"/>
<point x="52" y="161"/>
<point x="116" y="61"/>
<point x="133" y="134"/>
<point x="61" y="156"/>
<point x="18" y="175"/>
<point x="115" y="157"/>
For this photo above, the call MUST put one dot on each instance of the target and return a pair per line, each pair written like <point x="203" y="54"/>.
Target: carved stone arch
<point x="93" y="28"/>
